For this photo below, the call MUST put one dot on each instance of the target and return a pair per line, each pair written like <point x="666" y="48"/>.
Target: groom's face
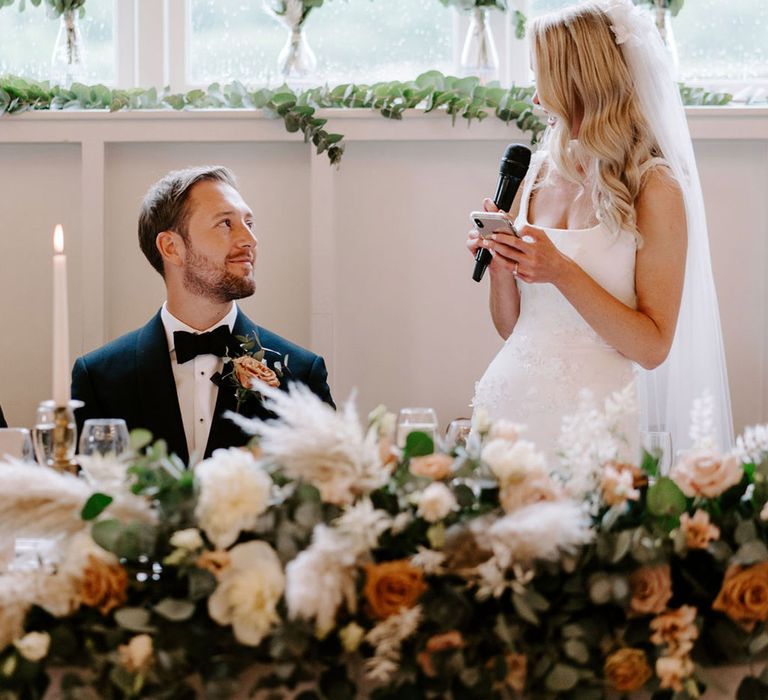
<point x="220" y="246"/>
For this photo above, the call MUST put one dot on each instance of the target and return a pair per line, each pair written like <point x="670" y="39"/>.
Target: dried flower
<point x="188" y="539"/>
<point x="651" y="588"/>
<point x="676" y="629"/>
<point x="103" y="585"/>
<point x="391" y="586"/>
<point x="618" y="486"/>
<point x="627" y="670"/>
<point x="535" y="487"/>
<point x="673" y="670"/>
<point x="744" y="595"/>
<point x="215" y="561"/>
<point x="699" y="531"/>
<point x="351" y="637"/>
<point x="434" y="466"/>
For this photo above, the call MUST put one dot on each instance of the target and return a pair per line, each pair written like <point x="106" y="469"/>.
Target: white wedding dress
<point x="553" y="353"/>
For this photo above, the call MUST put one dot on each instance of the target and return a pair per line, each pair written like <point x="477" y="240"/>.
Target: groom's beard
<point x="207" y="279"/>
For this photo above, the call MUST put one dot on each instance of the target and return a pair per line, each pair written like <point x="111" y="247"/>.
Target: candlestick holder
<point x="55" y="435"/>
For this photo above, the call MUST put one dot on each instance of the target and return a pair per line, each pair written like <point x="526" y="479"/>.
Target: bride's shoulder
<point x="660" y="197"/>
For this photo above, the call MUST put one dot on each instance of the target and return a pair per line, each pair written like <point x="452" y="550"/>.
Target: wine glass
<point x="658" y="443"/>
<point x="411" y="420"/>
<point x="16" y="442"/>
<point x="45" y="427"/>
<point x="104" y="437"/>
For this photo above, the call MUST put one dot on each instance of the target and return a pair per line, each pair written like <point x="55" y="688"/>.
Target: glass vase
<point x="479" y="56"/>
<point x="68" y="59"/>
<point x="663" y="19"/>
<point x="296" y="59"/>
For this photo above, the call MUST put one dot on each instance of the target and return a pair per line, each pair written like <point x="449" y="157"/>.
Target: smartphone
<point x="488" y="222"/>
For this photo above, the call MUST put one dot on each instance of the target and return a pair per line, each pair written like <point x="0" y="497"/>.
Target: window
<point x="354" y="41"/>
<point x="723" y="42"/>
<point x="27" y="40"/>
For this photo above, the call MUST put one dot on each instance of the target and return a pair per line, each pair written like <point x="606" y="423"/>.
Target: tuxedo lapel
<point x="159" y="403"/>
<point x="224" y="433"/>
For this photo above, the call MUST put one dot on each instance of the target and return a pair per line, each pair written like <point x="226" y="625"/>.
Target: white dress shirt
<point x="194" y="388"/>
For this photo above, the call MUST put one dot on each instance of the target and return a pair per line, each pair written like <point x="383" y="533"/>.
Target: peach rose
<point x="435" y="466"/>
<point x="706" y="473"/>
<point x="651" y="588"/>
<point x="676" y="629"/>
<point x="673" y="670"/>
<point x="391" y="586"/>
<point x="387" y="455"/>
<point x="744" y="595"/>
<point x="533" y="488"/>
<point x="699" y="531"/>
<point x="247" y="368"/>
<point x="627" y="670"/>
<point x="440" y="642"/>
<point x="103" y="585"/>
<point x="215" y="562"/>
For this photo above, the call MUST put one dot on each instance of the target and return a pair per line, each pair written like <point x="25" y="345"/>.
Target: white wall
<point x="365" y="264"/>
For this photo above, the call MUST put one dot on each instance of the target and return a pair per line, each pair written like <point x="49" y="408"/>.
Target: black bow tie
<point x="189" y="345"/>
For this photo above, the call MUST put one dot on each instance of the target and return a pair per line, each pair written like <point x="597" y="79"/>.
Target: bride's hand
<point x="474" y="241"/>
<point x="530" y="255"/>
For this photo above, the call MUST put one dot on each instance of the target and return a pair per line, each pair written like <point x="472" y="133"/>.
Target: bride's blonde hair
<point x="581" y="72"/>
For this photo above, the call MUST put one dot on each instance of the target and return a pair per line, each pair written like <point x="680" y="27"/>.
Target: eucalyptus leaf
<point x="95" y="505"/>
<point x="174" y="609"/>
<point x="666" y="498"/>
<point x="576" y="649"/>
<point x="134" y="620"/>
<point x="745" y="532"/>
<point x="562" y="678"/>
<point x="751" y="553"/>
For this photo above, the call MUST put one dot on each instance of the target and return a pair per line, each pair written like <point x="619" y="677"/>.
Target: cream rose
<point x="673" y="670"/>
<point x="136" y="656"/>
<point x="436" y="502"/>
<point x="534" y="488"/>
<point x="188" y="539"/>
<point x="248" y="592"/>
<point x="706" y="473"/>
<point x="234" y="492"/>
<point x="651" y="589"/>
<point x="511" y="462"/>
<point x="33" y="646"/>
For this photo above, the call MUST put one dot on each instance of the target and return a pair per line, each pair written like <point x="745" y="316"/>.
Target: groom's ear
<point x="171" y="247"/>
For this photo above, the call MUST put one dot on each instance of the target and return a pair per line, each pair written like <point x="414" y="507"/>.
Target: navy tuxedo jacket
<point x="131" y="378"/>
<point x="3" y="423"/>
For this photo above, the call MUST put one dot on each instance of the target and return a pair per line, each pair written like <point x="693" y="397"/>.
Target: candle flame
<point x="58" y="239"/>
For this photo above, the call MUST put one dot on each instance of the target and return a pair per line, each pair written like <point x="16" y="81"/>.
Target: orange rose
<point x="517" y="668"/>
<point x="651" y="588"/>
<point x="435" y="466"/>
<point x="627" y="670"/>
<point x="744" y="595"/>
<point x="440" y="642"/>
<point x="248" y="368"/>
<point x="699" y="532"/>
<point x="215" y="561"/>
<point x="103" y="585"/>
<point x="677" y="629"/>
<point x="391" y="586"/>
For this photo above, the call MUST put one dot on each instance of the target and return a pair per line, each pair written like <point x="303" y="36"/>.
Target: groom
<point x="198" y="233"/>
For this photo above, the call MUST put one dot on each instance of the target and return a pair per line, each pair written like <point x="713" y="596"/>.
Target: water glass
<point x="104" y="437"/>
<point x="410" y="420"/>
<point x="658" y="444"/>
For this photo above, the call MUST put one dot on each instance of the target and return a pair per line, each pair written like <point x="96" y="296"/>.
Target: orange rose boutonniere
<point x="249" y="363"/>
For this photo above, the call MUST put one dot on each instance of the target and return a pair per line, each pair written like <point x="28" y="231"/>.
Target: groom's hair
<point x="165" y="206"/>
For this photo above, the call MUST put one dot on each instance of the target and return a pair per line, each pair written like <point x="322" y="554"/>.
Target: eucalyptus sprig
<point x="464" y="98"/>
<point x="56" y="8"/>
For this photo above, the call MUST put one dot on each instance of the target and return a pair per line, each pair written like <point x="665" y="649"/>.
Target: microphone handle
<point x="505" y="195"/>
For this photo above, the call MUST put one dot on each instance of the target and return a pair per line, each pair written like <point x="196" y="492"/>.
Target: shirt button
<point x="201" y="420"/>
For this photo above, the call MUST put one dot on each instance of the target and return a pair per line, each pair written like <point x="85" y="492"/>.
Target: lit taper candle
<point x="61" y="370"/>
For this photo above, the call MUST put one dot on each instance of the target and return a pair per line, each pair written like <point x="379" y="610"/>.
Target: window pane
<point x="354" y="40"/>
<point x="715" y="40"/>
<point x="27" y="40"/>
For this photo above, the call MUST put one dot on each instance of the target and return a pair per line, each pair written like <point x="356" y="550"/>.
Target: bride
<point x="608" y="281"/>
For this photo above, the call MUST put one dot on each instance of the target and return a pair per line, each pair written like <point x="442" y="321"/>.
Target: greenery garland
<point x="462" y="98"/>
<point x="55" y="7"/>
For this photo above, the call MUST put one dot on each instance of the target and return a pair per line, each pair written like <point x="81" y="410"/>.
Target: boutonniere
<point x="248" y="363"/>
